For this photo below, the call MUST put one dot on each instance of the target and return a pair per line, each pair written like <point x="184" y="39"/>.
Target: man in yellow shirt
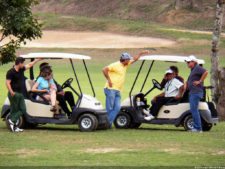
<point x="115" y="75"/>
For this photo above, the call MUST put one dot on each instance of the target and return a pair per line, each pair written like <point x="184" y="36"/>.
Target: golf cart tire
<point x="87" y="123"/>
<point x="206" y="126"/>
<point x="188" y="122"/>
<point x="122" y="121"/>
<point x="134" y="125"/>
<point x="20" y="123"/>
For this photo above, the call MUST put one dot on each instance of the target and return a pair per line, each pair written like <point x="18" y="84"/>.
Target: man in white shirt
<point x="174" y="90"/>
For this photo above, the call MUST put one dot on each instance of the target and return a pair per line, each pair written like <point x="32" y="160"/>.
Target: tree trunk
<point x="215" y="44"/>
<point x="217" y="77"/>
<point x="221" y="101"/>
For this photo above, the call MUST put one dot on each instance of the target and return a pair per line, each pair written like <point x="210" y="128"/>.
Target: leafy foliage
<point x="17" y="24"/>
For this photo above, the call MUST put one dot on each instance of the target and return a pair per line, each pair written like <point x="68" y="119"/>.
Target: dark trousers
<point x="17" y="106"/>
<point x="160" y="101"/>
<point x="68" y="97"/>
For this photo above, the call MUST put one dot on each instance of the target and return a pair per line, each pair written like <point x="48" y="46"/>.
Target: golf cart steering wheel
<point x="156" y="84"/>
<point x="67" y="83"/>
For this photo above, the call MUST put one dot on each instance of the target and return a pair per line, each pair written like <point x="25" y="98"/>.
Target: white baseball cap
<point x="169" y="71"/>
<point x="191" y="58"/>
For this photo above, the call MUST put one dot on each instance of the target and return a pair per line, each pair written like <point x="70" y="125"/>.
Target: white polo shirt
<point x="172" y="87"/>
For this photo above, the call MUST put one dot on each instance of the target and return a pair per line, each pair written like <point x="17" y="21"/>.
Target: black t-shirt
<point x="17" y="79"/>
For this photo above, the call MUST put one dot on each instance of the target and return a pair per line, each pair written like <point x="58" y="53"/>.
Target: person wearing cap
<point x="176" y="73"/>
<point x="15" y="84"/>
<point x="195" y="86"/>
<point x="173" y="90"/>
<point x="115" y="75"/>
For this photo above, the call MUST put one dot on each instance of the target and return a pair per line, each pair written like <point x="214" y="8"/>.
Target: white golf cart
<point x="88" y="112"/>
<point x="176" y="113"/>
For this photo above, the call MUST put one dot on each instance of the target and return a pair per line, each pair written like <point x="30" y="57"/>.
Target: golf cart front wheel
<point x="87" y="123"/>
<point x="188" y="123"/>
<point x="19" y="123"/>
<point x="122" y="121"/>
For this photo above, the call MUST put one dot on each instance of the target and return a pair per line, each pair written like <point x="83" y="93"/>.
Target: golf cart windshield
<point x="69" y="56"/>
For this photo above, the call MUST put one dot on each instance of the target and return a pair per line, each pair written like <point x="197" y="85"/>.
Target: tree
<point x="217" y="79"/>
<point x="17" y="24"/>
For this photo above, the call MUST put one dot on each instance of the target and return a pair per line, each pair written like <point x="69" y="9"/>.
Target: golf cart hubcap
<point x="121" y="120"/>
<point x="86" y="123"/>
<point x="190" y="124"/>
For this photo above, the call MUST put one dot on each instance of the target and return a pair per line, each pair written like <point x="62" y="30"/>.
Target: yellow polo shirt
<point x="117" y="73"/>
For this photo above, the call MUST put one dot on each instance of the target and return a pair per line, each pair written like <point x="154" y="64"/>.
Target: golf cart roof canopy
<point x="55" y="56"/>
<point x="168" y="58"/>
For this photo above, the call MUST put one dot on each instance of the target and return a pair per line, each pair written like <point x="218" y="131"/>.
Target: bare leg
<point x="53" y="97"/>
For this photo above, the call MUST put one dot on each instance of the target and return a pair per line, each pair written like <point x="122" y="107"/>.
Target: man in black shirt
<point x="15" y="84"/>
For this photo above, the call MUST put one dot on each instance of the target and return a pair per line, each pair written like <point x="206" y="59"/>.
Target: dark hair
<point x="45" y="71"/>
<point x="19" y="60"/>
<point x="174" y="69"/>
<point x="43" y="65"/>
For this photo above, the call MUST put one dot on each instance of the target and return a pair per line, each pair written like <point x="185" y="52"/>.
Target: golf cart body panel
<point x="90" y="103"/>
<point x="175" y="112"/>
<point x="38" y="111"/>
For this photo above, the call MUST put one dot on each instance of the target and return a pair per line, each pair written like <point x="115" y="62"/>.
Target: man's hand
<point x="178" y="97"/>
<point x="61" y="93"/>
<point x="110" y="83"/>
<point x="196" y="83"/>
<point x="144" y="52"/>
<point x="12" y="93"/>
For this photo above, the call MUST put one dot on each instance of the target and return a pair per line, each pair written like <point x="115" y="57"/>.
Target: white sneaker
<point x="11" y="125"/>
<point x="149" y="117"/>
<point x="17" y="129"/>
<point x="146" y="112"/>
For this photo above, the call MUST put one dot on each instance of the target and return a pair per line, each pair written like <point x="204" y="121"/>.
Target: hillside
<point x="157" y="11"/>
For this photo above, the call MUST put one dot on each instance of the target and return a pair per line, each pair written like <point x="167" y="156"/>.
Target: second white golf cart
<point x="176" y="113"/>
<point x="88" y="112"/>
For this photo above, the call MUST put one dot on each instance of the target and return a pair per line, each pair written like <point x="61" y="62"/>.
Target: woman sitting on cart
<point x="45" y="84"/>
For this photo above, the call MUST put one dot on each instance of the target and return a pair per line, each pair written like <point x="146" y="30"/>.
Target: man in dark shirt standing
<point x="15" y="85"/>
<point x="195" y="87"/>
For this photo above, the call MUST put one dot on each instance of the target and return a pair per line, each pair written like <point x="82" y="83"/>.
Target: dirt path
<point x="65" y="39"/>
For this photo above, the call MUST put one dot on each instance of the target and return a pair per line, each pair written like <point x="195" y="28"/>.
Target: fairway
<point x="150" y="145"/>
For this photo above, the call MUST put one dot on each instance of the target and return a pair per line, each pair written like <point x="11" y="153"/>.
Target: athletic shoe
<point x="149" y="117"/>
<point x="17" y="129"/>
<point x="11" y="125"/>
<point x="146" y="112"/>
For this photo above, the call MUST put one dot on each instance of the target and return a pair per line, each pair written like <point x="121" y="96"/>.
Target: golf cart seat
<point x="32" y="95"/>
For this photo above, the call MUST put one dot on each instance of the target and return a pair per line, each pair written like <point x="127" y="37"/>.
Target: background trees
<point x="17" y="24"/>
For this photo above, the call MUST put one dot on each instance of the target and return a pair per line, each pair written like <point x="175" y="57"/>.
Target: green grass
<point x="151" y="145"/>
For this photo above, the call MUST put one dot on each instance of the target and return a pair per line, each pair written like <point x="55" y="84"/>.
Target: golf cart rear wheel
<point x="20" y="122"/>
<point x="188" y="123"/>
<point x="122" y="121"/>
<point x="206" y="126"/>
<point x="87" y="123"/>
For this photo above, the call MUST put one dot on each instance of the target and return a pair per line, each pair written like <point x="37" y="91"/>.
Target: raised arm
<point x="31" y="64"/>
<point x="142" y="53"/>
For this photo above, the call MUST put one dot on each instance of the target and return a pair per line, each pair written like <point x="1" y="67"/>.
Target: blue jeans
<point x="194" y="99"/>
<point x="113" y="98"/>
